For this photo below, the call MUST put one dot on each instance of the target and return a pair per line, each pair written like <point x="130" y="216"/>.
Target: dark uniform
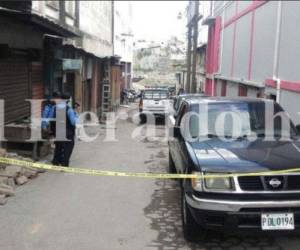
<point x="63" y="149"/>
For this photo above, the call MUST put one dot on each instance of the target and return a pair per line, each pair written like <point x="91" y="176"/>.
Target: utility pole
<point x="192" y="36"/>
<point x="195" y="42"/>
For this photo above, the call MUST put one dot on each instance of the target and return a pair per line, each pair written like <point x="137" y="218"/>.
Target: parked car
<point x="177" y="100"/>
<point x="154" y="101"/>
<point x="261" y="203"/>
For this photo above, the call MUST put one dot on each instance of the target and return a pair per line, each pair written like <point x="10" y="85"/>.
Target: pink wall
<point x="233" y="21"/>
<point x="212" y="53"/>
<point x="208" y="87"/>
<point x="285" y="85"/>
<point x="209" y="59"/>
<point x="214" y="38"/>
<point x="253" y="6"/>
<point x="217" y="41"/>
<point x="251" y="45"/>
<point x="234" y="41"/>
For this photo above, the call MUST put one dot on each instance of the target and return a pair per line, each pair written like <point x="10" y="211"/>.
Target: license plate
<point x="284" y="221"/>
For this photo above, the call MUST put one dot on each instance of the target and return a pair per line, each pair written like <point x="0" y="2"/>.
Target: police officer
<point x="58" y="145"/>
<point x="63" y="148"/>
<point x="71" y="120"/>
<point x="48" y="111"/>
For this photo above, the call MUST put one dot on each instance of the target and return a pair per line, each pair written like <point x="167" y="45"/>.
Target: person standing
<point x="79" y="126"/>
<point x="63" y="148"/>
<point x="58" y="145"/>
<point x="47" y="112"/>
<point x="71" y="121"/>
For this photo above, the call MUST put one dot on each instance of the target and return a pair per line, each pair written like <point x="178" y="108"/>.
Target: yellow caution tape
<point x="96" y="172"/>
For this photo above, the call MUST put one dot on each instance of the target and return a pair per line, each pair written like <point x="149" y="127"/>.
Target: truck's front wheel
<point x="192" y="231"/>
<point x="142" y="118"/>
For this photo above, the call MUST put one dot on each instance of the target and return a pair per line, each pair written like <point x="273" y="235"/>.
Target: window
<point x="223" y="88"/>
<point x="251" y="117"/>
<point x="242" y="90"/>
<point x="182" y="112"/>
<point x="70" y="8"/>
<point x="156" y="94"/>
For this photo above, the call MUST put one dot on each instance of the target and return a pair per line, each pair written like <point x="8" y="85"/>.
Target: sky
<point x="157" y="20"/>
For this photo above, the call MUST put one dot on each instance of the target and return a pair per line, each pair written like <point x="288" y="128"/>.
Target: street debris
<point x="12" y="176"/>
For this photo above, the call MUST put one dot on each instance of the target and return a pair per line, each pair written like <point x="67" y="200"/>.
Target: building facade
<point x="123" y="40"/>
<point x="48" y="46"/>
<point x="23" y="33"/>
<point x="85" y="60"/>
<point x="71" y="49"/>
<point x="253" y="51"/>
<point x="200" y="69"/>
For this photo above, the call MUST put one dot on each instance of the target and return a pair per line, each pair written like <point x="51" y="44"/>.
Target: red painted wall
<point x="285" y="85"/>
<point x="223" y="88"/>
<point x="212" y="53"/>
<point x="243" y="90"/>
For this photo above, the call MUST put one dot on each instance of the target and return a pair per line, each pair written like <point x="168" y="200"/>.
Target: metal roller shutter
<point x="14" y="88"/>
<point x="37" y="87"/>
<point x="37" y="81"/>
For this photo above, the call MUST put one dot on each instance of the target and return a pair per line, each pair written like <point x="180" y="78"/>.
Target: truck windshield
<point x="241" y="120"/>
<point x="156" y="94"/>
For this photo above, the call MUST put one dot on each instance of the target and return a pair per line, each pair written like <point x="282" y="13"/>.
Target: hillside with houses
<point x="157" y="63"/>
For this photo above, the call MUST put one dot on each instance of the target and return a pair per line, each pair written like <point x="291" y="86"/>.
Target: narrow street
<point x="69" y="211"/>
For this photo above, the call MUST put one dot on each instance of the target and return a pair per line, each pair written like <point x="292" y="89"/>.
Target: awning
<point x="41" y="22"/>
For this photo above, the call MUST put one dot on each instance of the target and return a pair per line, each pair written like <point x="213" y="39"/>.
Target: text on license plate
<point x="283" y="221"/>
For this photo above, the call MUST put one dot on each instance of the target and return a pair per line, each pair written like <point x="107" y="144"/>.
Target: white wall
<point x="252" y="92"/>
<point x="123" y="43"/>
<point x="44" y="9"/>
<point x="95" y="21"/>
<point x="232" y="89"/>
<point x="290" y="102"/>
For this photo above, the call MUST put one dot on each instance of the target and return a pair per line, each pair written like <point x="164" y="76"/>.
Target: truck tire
<point x="192" y="231"/>
<point x="142" y="118"/>
<point x="172" y="169"/>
